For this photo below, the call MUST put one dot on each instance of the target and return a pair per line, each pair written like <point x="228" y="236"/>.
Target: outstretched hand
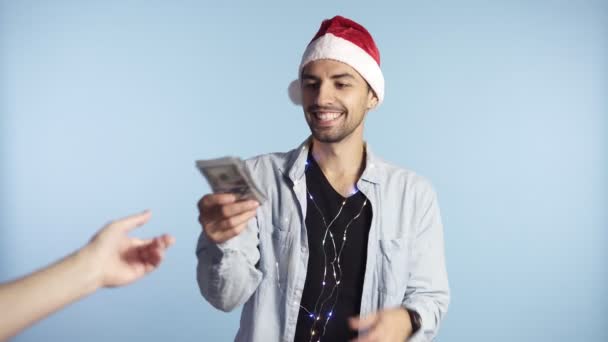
<point x="122" y="259"/>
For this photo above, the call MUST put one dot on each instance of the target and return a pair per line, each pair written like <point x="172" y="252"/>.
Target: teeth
<point x="327" y="116"/>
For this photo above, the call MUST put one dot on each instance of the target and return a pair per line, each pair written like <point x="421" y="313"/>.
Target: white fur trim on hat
<point x="329" y="46"/>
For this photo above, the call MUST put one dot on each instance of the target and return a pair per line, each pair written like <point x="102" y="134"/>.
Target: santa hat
<point x="345" y="41"/>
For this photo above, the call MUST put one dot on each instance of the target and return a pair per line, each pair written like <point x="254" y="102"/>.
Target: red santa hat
<point x="345" y="41"/>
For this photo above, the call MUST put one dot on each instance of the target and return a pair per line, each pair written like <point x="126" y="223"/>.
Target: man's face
<point x="335" y="99"/>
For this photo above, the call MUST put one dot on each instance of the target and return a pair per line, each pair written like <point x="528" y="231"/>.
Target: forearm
<point x="226" y="273"/>
<point x="428" y="291"/>
<point x="31" y="298"/>
<point x="227" y="281"/>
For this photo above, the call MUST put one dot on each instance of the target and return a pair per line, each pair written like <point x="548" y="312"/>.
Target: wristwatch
<point x="415" y="320"/>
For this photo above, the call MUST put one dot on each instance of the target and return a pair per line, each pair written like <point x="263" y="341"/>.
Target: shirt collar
<point x="296" y="163"/>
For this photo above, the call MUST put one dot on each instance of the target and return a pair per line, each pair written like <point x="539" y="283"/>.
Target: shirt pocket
<point x="393" y="266"/>
<point x="275" y="265"/>
<point x="280" y="233"/>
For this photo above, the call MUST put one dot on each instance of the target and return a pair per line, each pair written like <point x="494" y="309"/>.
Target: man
<point x="110" y="259"/>
<point x="347" y="245"/>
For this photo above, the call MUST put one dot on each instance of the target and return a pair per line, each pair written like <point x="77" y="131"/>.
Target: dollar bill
<point x="229" y="175"/>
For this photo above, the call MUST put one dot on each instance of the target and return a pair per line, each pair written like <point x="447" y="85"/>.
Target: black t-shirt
<point x="345" y="299"/>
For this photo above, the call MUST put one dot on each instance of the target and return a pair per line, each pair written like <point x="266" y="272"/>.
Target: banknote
<point x="229" y="175"/>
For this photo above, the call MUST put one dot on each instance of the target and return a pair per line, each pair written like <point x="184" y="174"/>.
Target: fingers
<point x="230" y="213"/>
<point x="223" y="217"/>
<point x="363" y="323"/>
<point x="167" y="240"/>
<point x="368" y="326"/>
<point x="231" y="210"/>
<point x="210" y="200"/>
<point x="234" y="221"/>
<point x="160" y="243"/>
<point x="370" y="336"/>
<point x="215" y="207"/>
<point x="131" y="222"/>
<point x="226" y="229"/>
<point x="153" y="252"/>
<point x="151" y="255"/>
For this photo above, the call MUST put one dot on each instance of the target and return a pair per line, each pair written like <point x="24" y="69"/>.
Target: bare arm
<point x="110" y="259"/>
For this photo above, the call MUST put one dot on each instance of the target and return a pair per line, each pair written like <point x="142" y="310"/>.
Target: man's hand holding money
<point x="223" y="216"/>
<point x="225" y="213"/>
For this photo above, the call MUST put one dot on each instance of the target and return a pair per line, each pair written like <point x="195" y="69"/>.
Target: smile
<point x="327" y="117"/>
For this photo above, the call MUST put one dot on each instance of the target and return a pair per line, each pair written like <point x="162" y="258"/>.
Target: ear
<point x="372" y="102"/>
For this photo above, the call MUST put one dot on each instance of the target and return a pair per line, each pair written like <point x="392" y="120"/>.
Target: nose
<point x="325" y="95"/>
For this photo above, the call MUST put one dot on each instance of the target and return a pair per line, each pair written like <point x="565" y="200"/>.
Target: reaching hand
<point x="123" y="259"/>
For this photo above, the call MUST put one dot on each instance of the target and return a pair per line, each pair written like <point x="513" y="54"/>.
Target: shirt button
<point x="304" y="249"/>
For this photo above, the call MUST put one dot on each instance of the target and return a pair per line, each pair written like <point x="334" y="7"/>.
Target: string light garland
<point x="320" y="320"/>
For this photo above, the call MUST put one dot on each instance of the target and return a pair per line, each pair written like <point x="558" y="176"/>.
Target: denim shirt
<point x="265" y="266"/>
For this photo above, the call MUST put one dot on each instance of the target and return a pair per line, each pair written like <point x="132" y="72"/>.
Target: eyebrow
<point x="333" y="77"/>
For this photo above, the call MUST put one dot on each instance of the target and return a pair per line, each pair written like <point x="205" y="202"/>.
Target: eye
<point x="310" y="85"/>
<point x="342" y="85"/>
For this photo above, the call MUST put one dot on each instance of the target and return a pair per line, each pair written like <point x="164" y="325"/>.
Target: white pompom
<point x="295" y="92"/>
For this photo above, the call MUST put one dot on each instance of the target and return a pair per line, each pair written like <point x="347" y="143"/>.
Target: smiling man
<point x="347" y="246"/>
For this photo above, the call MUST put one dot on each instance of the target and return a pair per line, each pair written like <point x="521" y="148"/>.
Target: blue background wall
<point x="105" y="105"/>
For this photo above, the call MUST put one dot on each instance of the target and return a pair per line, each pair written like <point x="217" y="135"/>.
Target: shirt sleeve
<point x="226" y="273"/>
<point x="428" y="290"/>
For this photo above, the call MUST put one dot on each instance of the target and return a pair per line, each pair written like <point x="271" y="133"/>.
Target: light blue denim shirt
<point x="265" y="266"/>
